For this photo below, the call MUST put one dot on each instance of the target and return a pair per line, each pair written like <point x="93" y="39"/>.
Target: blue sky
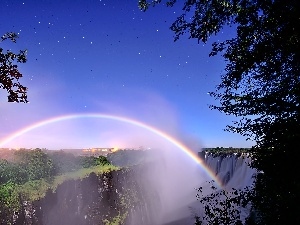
<point x="109" y="57"/>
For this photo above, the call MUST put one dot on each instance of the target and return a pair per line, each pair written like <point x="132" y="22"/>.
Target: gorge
<point x="144" y="194"/>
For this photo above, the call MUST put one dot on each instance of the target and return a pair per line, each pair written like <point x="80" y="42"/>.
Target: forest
<point x="29" y="174"/>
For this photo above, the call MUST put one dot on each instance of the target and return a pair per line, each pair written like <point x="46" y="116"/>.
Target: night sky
<point x="108" y="57"/>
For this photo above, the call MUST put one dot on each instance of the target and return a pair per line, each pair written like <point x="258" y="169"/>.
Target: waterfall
<point x="233" y="169"/>
<point x="154" y="193"/>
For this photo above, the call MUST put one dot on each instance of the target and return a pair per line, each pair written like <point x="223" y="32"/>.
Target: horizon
<point x="82" y="58"/>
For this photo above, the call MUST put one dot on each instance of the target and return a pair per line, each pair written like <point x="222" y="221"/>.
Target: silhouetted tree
<point x="223" y="206"/>
<point x="260" y="86"/>
<point x="9" y="73"/>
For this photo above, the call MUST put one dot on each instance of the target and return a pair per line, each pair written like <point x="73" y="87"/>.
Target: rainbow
<point x="160" y="133"/>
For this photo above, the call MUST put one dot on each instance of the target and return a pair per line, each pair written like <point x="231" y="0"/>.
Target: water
<point x="175" y="177"/>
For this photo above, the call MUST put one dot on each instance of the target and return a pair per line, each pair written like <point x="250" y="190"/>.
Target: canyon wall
<point x="110" y="198"/>
<point x="126" y="196"/>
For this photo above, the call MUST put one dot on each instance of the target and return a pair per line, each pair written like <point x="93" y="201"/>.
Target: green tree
<point x="9" y="73"/>
<point x="37" y="163"/>
<point x="64" y="162"/>
<point x="260" y="86"/>
<point x="102" y="161"/>
<point x="12" y="172"/>
<point x="90" y="161"/>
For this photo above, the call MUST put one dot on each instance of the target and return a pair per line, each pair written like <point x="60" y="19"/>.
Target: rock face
<point x="97" y="199"/>
<point x="233" y="169"/>
<point x="127" y="196"/>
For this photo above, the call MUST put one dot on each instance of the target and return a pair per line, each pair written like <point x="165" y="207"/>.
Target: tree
<point x="9" y="73"/>
<point x="64" y="162"/>
<point x="12" y="172"/>
<point x="90" y="161"/>
<point x="223" y="206"/>
<point x="260" y="86"/>
<point x="37" y="163"/>
<point x="261" y="77"/>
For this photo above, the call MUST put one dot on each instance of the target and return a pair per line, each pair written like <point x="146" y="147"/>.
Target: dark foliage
<point x="30" y="165"/>
<point x="9" y="73"/>
<point x="223" y="206"/>
<point x="36" y="164"/>
<point x="260" y="86"/>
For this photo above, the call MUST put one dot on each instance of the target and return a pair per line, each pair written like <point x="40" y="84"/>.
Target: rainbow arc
<point x="154" y="130"/>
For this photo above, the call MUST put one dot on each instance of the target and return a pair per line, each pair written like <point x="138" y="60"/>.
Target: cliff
<point x="142" y="195"/>
<point x="110" y="198"/>
<point x="233" y="169"/>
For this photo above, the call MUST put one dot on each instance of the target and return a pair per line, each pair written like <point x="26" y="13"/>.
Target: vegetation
<point x="9" y="73"/>
<point x="82" y="173"/>
<point x="33" y="173"/>
<point x="119" y="219"/>
<point x="34" y="164"/>
<point x="8" y="196"/>
<point x="126" y="158"/>
<point x="225" y="206"/>
<point x="260" y="86"/>
<point x="66" y="162"/>
<point x="127" y="202"/>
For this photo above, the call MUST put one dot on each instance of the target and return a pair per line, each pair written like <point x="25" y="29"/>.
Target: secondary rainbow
<point x="154" y="130"/>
